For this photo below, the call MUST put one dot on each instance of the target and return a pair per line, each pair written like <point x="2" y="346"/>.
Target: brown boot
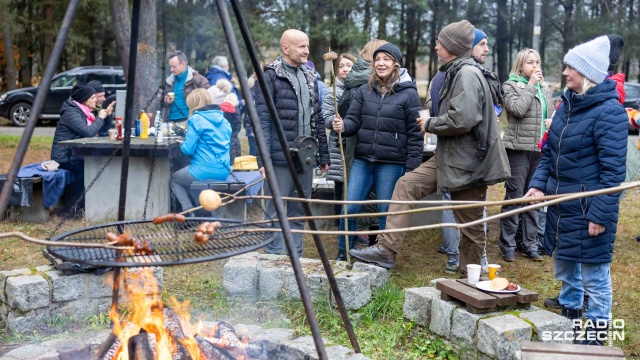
<point x="377" y="255"/>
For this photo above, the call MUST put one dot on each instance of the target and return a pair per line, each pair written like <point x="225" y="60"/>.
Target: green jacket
<point x="524" y="115"/>
<point x="470" y="150"/>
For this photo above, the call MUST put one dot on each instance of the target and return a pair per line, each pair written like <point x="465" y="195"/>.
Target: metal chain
<point x="153" y="163"/>
<point x="67" y="216"/>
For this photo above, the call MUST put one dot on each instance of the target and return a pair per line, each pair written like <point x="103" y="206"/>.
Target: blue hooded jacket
<point x="586" y="150"/>
<point x="207" y="143"/>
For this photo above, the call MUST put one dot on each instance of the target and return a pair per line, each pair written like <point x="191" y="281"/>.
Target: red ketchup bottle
<point x="118" y="128"/>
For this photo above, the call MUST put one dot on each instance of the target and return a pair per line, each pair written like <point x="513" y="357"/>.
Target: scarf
<point x="539" y="95"/>
<point x="87" y="112"/>
<point x="436" y="85"/>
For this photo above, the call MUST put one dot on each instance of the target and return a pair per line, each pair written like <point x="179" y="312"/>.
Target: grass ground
<point x="382" y="332"/>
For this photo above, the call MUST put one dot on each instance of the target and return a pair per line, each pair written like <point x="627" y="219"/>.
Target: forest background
<point x="101" y="30"/>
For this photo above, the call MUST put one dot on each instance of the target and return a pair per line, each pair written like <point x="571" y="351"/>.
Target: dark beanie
<point x="390" y="49"/>
<point x="457" y="37"/>
<point x="96" y="85"/>
<point x="81" y="92"/>
<point x="617" y="44"/>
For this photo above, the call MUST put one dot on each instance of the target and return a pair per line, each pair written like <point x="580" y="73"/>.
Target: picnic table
<point x="101" y="201"/>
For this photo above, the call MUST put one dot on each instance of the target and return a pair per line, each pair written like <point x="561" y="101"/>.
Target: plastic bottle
<point x="119" y="128"/>
<point x="157" y="120"/>
<point x="137" y="133"/>
<point x="144" y="125"/>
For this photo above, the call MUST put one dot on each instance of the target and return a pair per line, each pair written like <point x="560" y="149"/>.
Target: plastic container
<point x="144" y="125"/>
<point x="137" y="127"/>
<point x="119" y="134"/>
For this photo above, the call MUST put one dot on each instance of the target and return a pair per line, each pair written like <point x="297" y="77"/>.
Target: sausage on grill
<point x="169" y="217"/>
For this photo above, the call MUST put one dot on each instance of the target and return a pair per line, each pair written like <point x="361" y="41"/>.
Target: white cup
<point x="112" y="134"/>
<point x="424" y="114"/>
<point x="473" y="273"/>
<point x="159" y="137"/>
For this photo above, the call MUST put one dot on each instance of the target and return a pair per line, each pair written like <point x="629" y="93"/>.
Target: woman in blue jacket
<point x="585" y="151"/>
<point x="383" y="117"/>
<point x="207" y="143"/>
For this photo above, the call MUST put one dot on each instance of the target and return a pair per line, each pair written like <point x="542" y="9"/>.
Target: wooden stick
<point x="224" y="196"/>
<point x="21" y="235"/>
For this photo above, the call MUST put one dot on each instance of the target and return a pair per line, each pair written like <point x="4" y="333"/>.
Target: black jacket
<point x="386" y="126"/>
<point x="72" y="125"/>
<point x="286" y="102"/>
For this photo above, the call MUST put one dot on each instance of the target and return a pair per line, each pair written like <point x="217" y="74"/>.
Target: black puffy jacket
<point x="286" y="102"/>
<point x="386" y="125"/>
<point x="72" y="125"/>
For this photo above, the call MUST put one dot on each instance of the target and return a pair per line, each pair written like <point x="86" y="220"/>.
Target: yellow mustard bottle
<point x="144" y="125"/>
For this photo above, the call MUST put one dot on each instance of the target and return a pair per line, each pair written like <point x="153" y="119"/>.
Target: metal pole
<point x="126" y="143"/>
<point x="246" y="35"/>
<point x="272" y="180"/>
<point x="536" y="26"/>
<point x="52" y="65"/>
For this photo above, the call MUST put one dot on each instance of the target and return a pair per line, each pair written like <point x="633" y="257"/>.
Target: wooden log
<point x="139" y="347"/>
<point x="550" y="351"/>
<point x="109" y="348"/>
<point x="501" y="299"/>
<point x="211" y="352"/>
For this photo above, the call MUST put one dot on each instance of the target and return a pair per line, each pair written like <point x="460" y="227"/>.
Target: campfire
<point x="150" y="329"/>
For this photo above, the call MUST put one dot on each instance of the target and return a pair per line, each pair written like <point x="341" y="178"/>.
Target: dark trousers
<point x="74" y="190"/>
<point x="523" y="165"/>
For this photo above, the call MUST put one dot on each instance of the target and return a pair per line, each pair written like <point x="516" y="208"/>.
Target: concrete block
<point x="70" y="349"/>
<point x="500" y="336"/>
<point x="77" y="309"/>
<point x="34" y="320"/>
<point x="45" y="268"/>
<point x="271" y="281"/>
<point x="33" y="352"/>
<point x="27" y="292"/>
<point x="291" y="285"/>
<point x="357" y="357"/>
<point x="441" y="316"/>
<point x="4" y="275"/>
<point x="319" y="288"/>
<point x="417" y="304"/>
<point x="355" y="288"/>
<point x="546" y="323"/>
<point x="272" y="257"/>
<point x="378" y="276"/>
<point x="241" y="278"/>
<point x="253" y="255"/>
<point x="275" y="335"/>
<point x="65" y="287"/>
<point x="99" y="285"/>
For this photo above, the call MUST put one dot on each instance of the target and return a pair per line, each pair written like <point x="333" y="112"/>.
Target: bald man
<point x="295" y="92"/>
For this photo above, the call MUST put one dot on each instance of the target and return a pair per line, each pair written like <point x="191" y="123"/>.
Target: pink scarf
<point x="87" y="112"/>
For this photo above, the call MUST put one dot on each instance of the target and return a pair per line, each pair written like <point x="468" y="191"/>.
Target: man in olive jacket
<point x="469" y="157"/>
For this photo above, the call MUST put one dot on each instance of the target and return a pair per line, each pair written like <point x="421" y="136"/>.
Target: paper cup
<point x="172" y="96"/>
<point x="493" y="271"/>
<point x="112" y="134"/>
<point x="473" y="273"/>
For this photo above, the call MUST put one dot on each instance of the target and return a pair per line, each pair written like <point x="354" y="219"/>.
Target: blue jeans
<point x="364" y="175"/>
<point x="577" y="278"/>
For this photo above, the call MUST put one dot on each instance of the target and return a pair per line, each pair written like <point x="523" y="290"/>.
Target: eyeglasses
<point x="437" y="42"/>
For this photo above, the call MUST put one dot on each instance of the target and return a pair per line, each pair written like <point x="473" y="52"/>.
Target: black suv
<point x="16" y="104"/>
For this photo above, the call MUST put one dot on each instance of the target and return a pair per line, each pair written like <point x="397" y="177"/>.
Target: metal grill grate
<point x="173" y="243"/>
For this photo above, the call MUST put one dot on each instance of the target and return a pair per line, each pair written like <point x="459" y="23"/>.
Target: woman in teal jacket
<point x="207" y="143"/>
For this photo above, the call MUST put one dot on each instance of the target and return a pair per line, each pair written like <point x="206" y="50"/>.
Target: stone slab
<point x="34" y="320"/>
<point x="338" y="352"/>
<point x="70" y="349"/>
<point x="65" y="287"/>
<point x="417" y="304"/>
<point x="33" y="352"/>
<point x="441" y="316"/>
<point x="27" y="292"/>
<point x="301" y="348"/>
<point x="241" y="277"/>
<point x="99" y="285"/>
<point x="546" y="323"/>
<point x="271" y="281"/>
<point x="318" y="284"/>
<point x="355" y="288"/>
<point x="378" y="276"/>
<point x="276" y="335"/>
<point x="500" y="336"/>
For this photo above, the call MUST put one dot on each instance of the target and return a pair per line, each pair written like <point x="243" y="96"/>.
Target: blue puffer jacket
<point x="586" y="150"/>
<point x="386" y="125"/>
<point x="286" y="101"/>
<point x="207" y="143"/>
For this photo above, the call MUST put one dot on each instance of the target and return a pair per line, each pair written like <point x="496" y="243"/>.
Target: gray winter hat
<point x="591" y="59"/>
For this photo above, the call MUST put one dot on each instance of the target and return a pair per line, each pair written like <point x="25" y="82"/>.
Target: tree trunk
<point x="502" y="39"/>
<point x="25" y="67"/>
<point x="10" y="62"/>
<point x="382" y="19"/>
<point x="366" y="24"/>
<point x="48" y="40"/>
<point x="316" y="37"/>
<point x="146" y="69"/>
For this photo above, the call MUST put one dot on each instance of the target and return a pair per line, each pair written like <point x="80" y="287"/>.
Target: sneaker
<point x="441" y="250"/>
<point x="342" y="256"/>
<point x="377" y="255"/>
<point x="508" y="257"/>
<point x="552" y="303"/>
<point x="533" y="255"/>
<point x="452" y="267"/>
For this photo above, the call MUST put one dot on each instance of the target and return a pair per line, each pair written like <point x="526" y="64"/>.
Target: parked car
<point x="632" y="100"/>
<point x="16" y="104"/>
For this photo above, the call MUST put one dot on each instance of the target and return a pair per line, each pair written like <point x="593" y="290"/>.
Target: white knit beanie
<point x="590" y="59"/>
<point x="222" y="88"/>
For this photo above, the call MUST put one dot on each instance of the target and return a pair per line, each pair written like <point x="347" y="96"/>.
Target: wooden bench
<point x="549" y="351"/>
<point x="477" y="301"/>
